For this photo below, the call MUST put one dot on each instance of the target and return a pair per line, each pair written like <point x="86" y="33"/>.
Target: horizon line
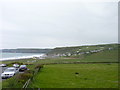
<point x="58" y="46"/>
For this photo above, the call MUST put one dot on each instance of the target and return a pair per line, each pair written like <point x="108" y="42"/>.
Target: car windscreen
<point x="22" y="66"/>
<point x="9" y="70"/>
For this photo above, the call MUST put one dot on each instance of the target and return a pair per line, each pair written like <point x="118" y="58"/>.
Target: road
<point x="1" y="70"/>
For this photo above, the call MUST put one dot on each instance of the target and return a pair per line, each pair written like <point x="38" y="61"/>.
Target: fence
<point x="26" y="84"/>
<point x="28" y="81"/>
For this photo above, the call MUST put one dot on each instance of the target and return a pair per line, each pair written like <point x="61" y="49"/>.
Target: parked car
<point x="9" y="72"/>
<point x="3" y="65"/>
<point x="23" y="68"/>
<point x="16" y="65"/>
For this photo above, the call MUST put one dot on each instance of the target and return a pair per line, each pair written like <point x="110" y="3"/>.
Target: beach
<point x="19" y="56"/>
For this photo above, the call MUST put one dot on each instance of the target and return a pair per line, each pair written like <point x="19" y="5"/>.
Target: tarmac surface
<point x="2" y="70"/>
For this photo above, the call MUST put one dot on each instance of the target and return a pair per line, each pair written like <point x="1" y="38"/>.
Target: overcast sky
<point x="49" y="24"/>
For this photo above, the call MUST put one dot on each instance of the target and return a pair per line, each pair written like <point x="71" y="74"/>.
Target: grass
<point x="0" y="85"/>
<point x="11" y="82"/>
<point x="90" y="76"/>
<point x="104" y="56"/>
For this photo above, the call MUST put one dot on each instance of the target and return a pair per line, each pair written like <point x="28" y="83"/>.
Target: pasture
<point x="77" y="76"/>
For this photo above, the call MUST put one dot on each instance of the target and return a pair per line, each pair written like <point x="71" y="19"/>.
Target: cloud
<point x="51" y="24"/>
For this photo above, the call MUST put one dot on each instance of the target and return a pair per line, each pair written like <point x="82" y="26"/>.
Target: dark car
<point x="23" y="68"/>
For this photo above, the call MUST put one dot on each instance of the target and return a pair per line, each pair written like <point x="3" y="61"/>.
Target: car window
<point x="9" y="70"/>
<point x="23" y="66"/>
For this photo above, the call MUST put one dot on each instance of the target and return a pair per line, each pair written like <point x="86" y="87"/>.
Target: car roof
<point x="11" y="68"/>
<point x="23" y="65"/>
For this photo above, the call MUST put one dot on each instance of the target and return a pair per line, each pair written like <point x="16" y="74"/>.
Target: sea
<point x="17" y="56"/>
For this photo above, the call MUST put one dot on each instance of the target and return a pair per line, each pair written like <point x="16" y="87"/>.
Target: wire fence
<point x="26" y="84"/>
<point x="30" y="79"/>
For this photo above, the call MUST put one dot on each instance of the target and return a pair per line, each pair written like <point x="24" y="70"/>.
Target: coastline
<point x="14" y="59"/>
<point x="41" y="56"/>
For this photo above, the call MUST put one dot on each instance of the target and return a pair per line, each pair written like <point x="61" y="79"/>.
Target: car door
<point x="16" y="70"/>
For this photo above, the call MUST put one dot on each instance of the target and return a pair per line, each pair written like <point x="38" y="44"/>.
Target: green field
<point x="104" y="56"/>
<point x="90" y="76"/>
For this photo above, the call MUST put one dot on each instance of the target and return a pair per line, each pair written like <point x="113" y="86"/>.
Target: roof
<point x="11" y="68"/>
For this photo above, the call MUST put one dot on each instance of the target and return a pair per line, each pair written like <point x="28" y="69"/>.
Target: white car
<point x="2" y="65"/>
<point x="9" y="72"/>
<point x="16" y="65"/>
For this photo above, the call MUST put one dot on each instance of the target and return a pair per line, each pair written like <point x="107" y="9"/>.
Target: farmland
<point x="89" y="76"/>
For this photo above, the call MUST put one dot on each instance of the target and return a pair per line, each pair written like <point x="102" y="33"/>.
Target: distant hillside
<point x="26" y="50"/>
<point x="81" y="50"/>
<point x="103" y="56"/>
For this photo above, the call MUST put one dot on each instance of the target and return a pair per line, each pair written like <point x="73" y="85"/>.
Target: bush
<point x="24" y="77"/>
<point x="11" y="64"/>
<point x="39" y="66"/>
<point x="28" y="64"/>
<point x="29" y="71"/>
<point x="20" y="63"/>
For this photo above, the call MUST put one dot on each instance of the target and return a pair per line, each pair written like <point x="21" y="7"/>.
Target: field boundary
<point x="82" y="63"/>
<point x="29" y="80"/>
<point x="26" y="83"/>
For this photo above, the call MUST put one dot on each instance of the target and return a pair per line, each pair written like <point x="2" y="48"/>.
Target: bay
<point x="11" y="56"/>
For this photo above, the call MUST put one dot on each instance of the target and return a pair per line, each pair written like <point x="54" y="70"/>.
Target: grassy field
<point x="90" y="76"/>
<point x="104" y="56"/>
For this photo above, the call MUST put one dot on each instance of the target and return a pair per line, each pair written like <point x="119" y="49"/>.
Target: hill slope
<point x="103" y="56"/>
<point x="95" y="53"/>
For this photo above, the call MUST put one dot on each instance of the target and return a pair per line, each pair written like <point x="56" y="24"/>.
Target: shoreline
<point x="41" y="56"/>
<point x="15" y="59"/>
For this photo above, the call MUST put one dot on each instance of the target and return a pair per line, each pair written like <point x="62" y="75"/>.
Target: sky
<point x="57" y="23"/>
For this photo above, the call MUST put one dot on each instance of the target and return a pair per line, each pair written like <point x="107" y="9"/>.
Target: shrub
<point x="39" y="66"/>
<point x="28" y="64"/>
<point x="24" y="77"/>
<point x="20" y="63"/>
<point x="11" y="64"/>
<point x="29" y="71"/>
